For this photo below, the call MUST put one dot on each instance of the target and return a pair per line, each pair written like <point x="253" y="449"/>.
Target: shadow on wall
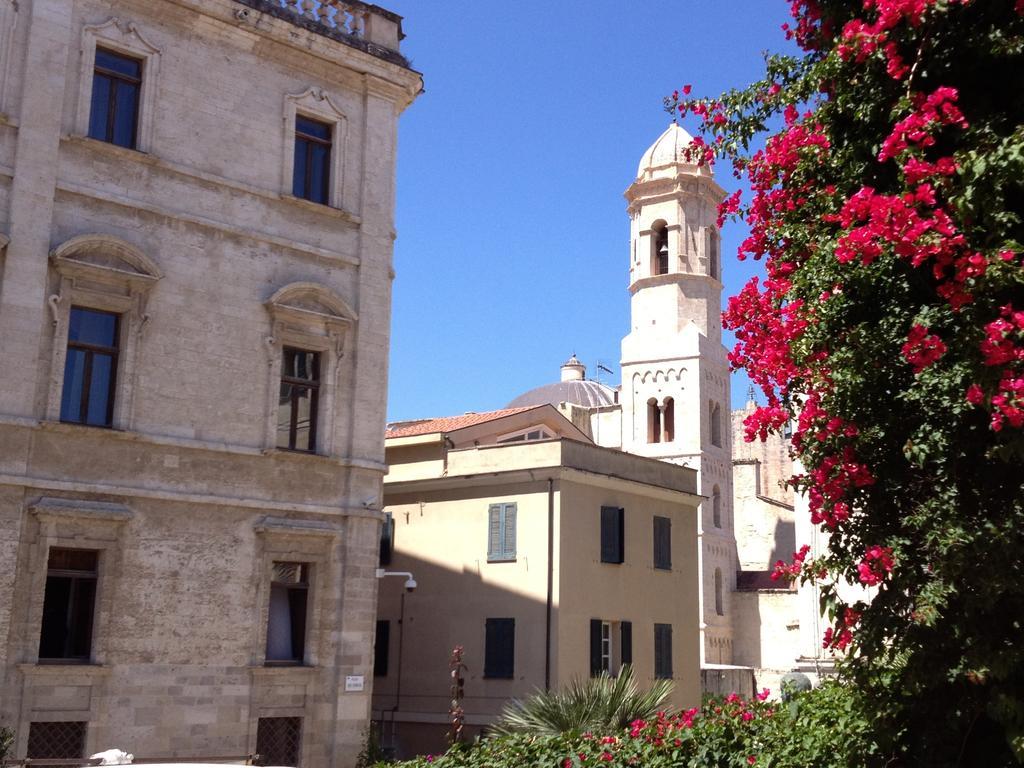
<point x="451" y="607"/>
<point x="784" y="542"/>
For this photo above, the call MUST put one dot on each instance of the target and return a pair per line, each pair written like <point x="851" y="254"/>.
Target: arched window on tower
<point x="711" y="249"/>
<point x="669" y="414"/>
<point x="659" y="248"/>
<point x="716" y="507"/>
<point x="653" y="421"/>
<point x="716" y="424"/>
<point x="719" y="603"/>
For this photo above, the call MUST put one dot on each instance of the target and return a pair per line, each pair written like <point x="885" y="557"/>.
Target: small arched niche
<point x="659" y="248"/>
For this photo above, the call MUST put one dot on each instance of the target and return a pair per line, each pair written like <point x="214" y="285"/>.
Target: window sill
<point x="278" y="670"/>
<point x="321" y="208"/>
<point x="69" y="668"/>
<point x="501" y="559"/>
<point x="290" y="454"/>
<point x="77" y="427"/>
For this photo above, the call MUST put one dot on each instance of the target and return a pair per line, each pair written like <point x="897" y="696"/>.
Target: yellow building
<point x="545" y="556"/>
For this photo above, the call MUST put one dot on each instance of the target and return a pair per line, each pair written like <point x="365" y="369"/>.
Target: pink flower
<point x="763" y="695"/>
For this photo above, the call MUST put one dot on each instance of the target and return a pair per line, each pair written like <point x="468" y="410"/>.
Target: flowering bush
<point x="885" y="167"/>
<point x="824" y="728"/>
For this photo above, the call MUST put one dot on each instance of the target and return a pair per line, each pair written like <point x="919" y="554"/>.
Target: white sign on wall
<point x="353" y="682"/>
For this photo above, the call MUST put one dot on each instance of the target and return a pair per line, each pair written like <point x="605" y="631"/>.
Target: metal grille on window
<point x="277" y="740"/>
<point x="52" y="741"/>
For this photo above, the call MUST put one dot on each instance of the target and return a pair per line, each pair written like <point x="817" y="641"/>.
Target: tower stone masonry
<point x="675" y="371"/>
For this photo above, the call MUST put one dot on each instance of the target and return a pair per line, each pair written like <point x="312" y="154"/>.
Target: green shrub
<point x="824" y="728"/>
<point x="601" y="703"/>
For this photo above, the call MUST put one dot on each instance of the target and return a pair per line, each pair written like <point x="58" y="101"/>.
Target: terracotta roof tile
<point x="450" y="423"/>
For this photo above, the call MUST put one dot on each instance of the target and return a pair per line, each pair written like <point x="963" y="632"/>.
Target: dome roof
<point x="577" y="391"/>
<point x="666" y="149"/>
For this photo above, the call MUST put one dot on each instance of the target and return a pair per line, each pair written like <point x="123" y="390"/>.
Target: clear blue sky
<point x="513" y="239"/>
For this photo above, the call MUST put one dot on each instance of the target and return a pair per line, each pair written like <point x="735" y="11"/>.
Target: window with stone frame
<point x="311" y="172"/>
<point x="288" y="614"/>
<point x="69" y="606"/>
<point x="313" y="165"/>
<point x="99" y="314"/>
<point x="116" y="93"/>
<point x="90" y="367"/>
<point x="309" y="326"/>
<point x="298" y="401"/>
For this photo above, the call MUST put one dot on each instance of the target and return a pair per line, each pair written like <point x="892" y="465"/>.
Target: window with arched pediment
<point x="99" y="314"/>
<point x="309" y="325"/>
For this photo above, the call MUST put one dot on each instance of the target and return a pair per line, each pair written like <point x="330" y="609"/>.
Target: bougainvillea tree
<point x="885" y="173"/>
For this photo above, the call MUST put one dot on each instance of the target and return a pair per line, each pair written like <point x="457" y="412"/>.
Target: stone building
<point x="546" y="557"/>
<point x="196" y="228"/>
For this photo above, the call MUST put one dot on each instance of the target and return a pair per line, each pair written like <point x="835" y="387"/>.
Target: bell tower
<point x="675" y="371"/>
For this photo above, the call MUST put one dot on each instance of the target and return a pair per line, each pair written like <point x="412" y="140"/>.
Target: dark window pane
<point x="84" y="560"/>
<point x="320" y="174"/>
<point x="74" y="377"/>
<point x="312" y="128"/>
<point x="68" y="605"/>
<point x="99" y="389"/>
<point x="381" y="646"/>
<point x="56" y="604"/>
<point x="101" y="88"/>
<point x="299" y="364"/>
<point x="284" y="417"/>
<point x="125" y="113"/>
<point x="297" y="610"/>
<point x="304" y="415"/>
<point x="83" y="599"/>
<point x="123" y="65"/>
<point x="300" y="172"/>
<point x="92" y="327"/>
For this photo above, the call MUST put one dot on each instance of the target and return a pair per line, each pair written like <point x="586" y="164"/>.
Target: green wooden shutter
<point x="612" y="535"/>
<point x="626" y="642"/>
<point x="595" y="647"/>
